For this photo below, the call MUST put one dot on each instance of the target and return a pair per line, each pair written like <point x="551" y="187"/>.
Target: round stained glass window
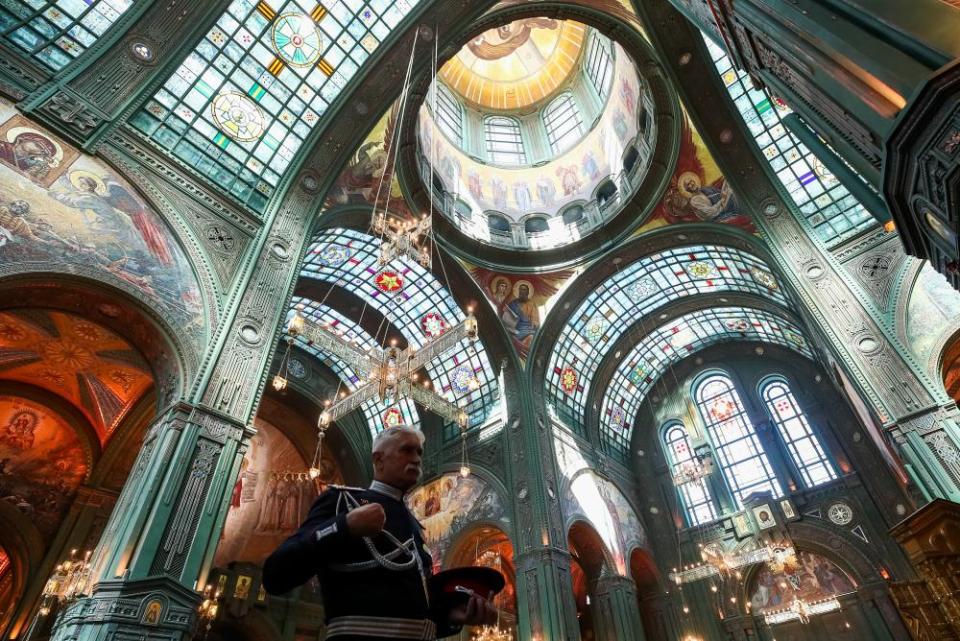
<point x="237" y="116"/>
<point x="296" y="39"/>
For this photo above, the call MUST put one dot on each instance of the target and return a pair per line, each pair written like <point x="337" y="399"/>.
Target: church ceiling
<point x="81" y="361"/>
<point x="242" y="103"/>
<point x="516" y="65"/>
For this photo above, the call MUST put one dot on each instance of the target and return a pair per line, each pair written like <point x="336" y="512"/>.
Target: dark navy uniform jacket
<point x="323" y="546"/>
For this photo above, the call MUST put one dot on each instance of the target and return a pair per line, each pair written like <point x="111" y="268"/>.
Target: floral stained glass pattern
<point x="240" y="106"/>
<point x="53" y="33"/>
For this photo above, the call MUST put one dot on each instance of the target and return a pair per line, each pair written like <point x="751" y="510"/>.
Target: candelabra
<point x="69" y="580"/>
<point x="208" y="608"/>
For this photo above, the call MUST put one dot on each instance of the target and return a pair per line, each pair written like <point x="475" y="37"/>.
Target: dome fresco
<point x="517" y="64"/>
<point x="554" y="171"/>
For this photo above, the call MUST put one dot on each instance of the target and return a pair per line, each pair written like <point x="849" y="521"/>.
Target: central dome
<point x="515" y="65"/>
<point x="535" y="135"/>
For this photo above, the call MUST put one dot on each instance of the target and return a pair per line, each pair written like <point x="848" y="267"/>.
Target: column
<point x="545" y="601"/>
<point x="615" y="612"/>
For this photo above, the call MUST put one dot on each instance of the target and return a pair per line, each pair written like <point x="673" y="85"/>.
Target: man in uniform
<point x="367" y="550"/>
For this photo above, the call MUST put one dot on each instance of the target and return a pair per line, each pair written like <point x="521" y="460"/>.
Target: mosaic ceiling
<point x="95" y="369"/>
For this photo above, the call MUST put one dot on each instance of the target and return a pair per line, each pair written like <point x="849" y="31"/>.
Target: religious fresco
<point x="522" y="301"/>
<point x="6" y="584"/>
<point x="42" y="462"/>
<point x="60" y="207"/>
<point x="600" y="502"/>
<point x="449" y="503"/>
<point x="517" y="64"/>
<point x="932" y="311"/>
<point x="812" y="578"/>
<point x="271" y="496"/>
<point x="573" y="176"/>
<point x="361" y="181"/>
<point x="698" y="192"/>
<point x="77" y="359"/>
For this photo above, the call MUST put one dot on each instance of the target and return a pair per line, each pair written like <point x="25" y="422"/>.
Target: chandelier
<point x="69" y="580"/>
<point x="492" y="633"/>
<point x="800" y="610"/>
<point x="716" y="561"/>
<point x="386" y="374"/>
<point x="407" y="238"/>
<point x="693" y="470"/>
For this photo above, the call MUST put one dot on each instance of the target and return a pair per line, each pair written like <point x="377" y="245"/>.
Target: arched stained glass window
<point x="504" y="142"/>
<point x="741" y="457"/>
<point x="449" y="113"/>
<point x="803" y="445"/>
<point x="54" y="33"/>
<point x="564" y="125"/>
<point x="600" y="65"/>
<point x="694" y="493"/>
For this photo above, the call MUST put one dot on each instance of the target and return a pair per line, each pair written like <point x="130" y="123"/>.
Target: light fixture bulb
<point x="314" y="472"/>
<point x="279" y="383"/>
<point x="464" y="471"/>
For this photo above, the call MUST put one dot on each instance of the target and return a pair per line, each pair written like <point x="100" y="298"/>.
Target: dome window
<point x="504" y="142"/>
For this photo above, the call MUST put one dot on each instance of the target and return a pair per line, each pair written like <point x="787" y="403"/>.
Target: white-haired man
<point x="367" y="550"/>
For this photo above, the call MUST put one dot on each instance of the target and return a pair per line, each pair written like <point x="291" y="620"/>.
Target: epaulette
<point x="345" y="487"/>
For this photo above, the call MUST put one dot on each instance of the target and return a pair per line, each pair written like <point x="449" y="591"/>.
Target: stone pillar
<point x="615" y="612"/>
<point x="545" y="602"/>
<point x="931" y="538"/>
<point x="156" y="552"/>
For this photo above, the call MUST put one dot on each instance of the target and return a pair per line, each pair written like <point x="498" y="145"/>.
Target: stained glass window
<point x="802" y="443"/>
<point x="241" y="104"/>
<point x="694" y="494"/>
<point x="833" y="212"/>
<point x="741" y="457"/>
<point x="449" y="114"/>
<point x="563" y="122"/>
<point x="348" y="259"/>
<point x="54" y="33"/>
<point x="600" y="65"/>
<point x="378" y="413"/>
<point x="637" y="290"/>
<point x="504" y="142"/>
<point x="658" y="349"/>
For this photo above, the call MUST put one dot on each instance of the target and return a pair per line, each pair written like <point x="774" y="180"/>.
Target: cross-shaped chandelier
<point x="386" y="374"/>
<point x="403" y="238"/>
<point x="716" y="561"/>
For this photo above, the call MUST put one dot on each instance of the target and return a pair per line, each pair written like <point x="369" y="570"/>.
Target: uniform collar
<point x="389" y="490"/>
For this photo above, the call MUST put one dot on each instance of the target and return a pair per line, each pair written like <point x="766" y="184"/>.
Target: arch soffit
<point x="638" y="248"/>
<point x="581" y="523"/>
<point x="612" y="20"/>
<point x="171" y="360"/>
<point x="570" y="519"/>
<point x="25" y="547"/>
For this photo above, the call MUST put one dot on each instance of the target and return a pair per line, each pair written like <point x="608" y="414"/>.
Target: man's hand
<point x="366" y="520"/>
<point x="476" y="611"/>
